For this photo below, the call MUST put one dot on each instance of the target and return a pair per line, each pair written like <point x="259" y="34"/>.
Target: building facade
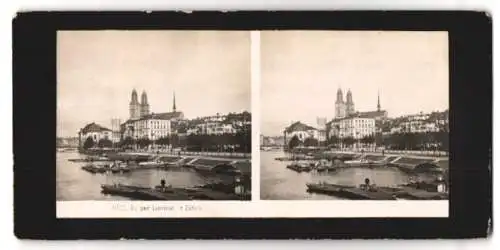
<point x="355" y="127"/>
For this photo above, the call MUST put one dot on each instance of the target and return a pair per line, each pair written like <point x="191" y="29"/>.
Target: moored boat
<point x="363" y="192"/>
<point x="300" y="167"/>
<point x="151" y="164"/>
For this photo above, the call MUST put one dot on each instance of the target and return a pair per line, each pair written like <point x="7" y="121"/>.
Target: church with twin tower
<point x="143" y="123"/>
<point x="346" y="108"/>
<point x="138" y="110"/>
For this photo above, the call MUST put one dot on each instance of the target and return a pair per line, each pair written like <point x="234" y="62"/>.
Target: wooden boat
<point x="419" y="194"/>
<point x="300" y="167"/>
<point x="151" y="164"/>
<point x="78" y="160"/>
<point x="326" y="188"/>
<point x="421" y="190"/>
<point x="93" y="168"/>
<point x="364" y="163"/>
<point x="119" y="167"/>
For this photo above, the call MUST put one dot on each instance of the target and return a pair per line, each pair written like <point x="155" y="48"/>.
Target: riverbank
<point x="74" y="183"/>
<point x="280" y="183"/>
<point x="228" y="155"/>
<point x="395" y="153"/>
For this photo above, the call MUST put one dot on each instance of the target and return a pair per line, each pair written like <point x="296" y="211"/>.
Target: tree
<point x="174" y="140"/>
<point x="128" y="141"/>
<point x="143" y="142"/>
<point x="310" y="142"/>
<point x="163" y="141"/>
<point x="369" y="139"/>
<point x="349" y="141"/>
<point x="89" y="143"/>
<point x="294" y="142"/>
<point x="105" y="143"/>
<point x="378" y="139"/>
<point x="333" y="140"/>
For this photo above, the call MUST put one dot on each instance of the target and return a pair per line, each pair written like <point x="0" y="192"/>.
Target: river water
<point x="73" y="183"/>
<point x="280" y="183"/>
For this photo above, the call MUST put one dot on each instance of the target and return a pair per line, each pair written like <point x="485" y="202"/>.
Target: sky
<point x="97" y="71"/>
<point x="302" y="70"/>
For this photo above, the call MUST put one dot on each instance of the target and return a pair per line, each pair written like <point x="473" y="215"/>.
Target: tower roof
<point x="134" y="97"/>
<point x="144" y="97"/>
<point x="173" y="106"/>
<point x="378" y="101"/>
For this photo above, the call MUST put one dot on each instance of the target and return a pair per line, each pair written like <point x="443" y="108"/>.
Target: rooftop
<point x="298" y="126"/>
<point x="93" y="127"/>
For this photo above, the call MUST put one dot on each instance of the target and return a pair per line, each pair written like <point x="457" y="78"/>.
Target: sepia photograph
<point x="354" y="115"/>
<point x="153" y="115"/>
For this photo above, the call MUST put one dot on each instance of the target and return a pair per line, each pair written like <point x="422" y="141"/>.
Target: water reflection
<point x="280" y="183"/>
<point x="75" y="184"/>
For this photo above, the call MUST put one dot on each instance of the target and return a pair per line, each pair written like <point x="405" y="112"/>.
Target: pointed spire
<point x="134" y="96"/>
<point x="144" y="98"/>
<point x="173" y="107"/>
<point x="378" y="101"/>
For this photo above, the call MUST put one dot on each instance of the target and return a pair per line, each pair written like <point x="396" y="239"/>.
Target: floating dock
<point x="167" y="193"/>
<point x="375" y="193"/>
<point x="350" y="192"/>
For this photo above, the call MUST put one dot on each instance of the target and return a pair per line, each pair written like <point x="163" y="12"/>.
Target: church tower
<point x="340" y="105"/>
<point x="349" y="103"/>
<point x="134" y="106"/>
<point x="144" y="104"/>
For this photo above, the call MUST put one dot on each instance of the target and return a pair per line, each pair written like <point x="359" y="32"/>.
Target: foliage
<point x="311" y="142"/>
<point x="128" y="141"/>
<point x="163" y="141"/>
<point x="143" y="142"/>
<point x="105" y="143"/>
<point x="368" y="139"/>
<point x="349" y="141"/>
<point x="174" y="140"/>
<point x="89" y="143"/>
<point x="418" y="141"/>
<point x="294" y="142"/>
<point x="238" y="142"/>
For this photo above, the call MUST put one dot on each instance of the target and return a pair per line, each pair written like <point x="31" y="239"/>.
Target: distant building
<point x="67" y="142"/>
<point x="219" y="124"/>
<point x="115" y="129"/>
<point x="272" y="141"/>
<point x="321" y="122"/>
<point x="302" y="131"/>
<point x="94" y="131"/>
